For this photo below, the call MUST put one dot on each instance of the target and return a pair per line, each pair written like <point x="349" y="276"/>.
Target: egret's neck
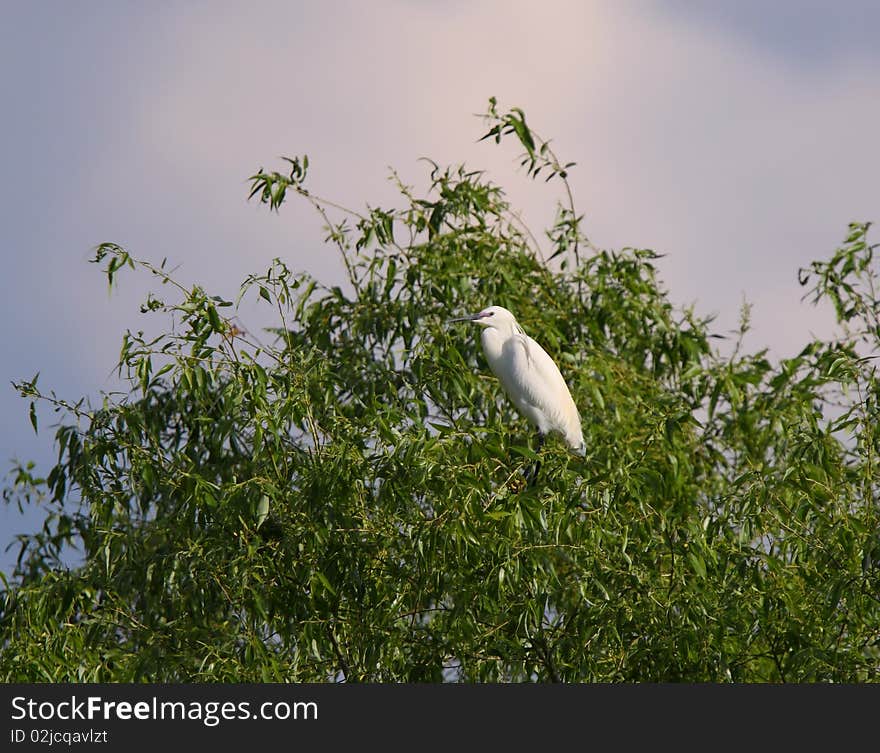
<point x="492" y="339"/>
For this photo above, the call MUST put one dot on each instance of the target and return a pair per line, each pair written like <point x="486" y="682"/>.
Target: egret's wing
<point x="545" y="379"/>
<point x="543" y="386"/>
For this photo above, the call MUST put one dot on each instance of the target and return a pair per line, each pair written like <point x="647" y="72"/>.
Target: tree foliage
<point x="346" y="502"/>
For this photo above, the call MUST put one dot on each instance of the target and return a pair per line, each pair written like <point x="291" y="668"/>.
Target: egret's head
<point x="493" y="316"/>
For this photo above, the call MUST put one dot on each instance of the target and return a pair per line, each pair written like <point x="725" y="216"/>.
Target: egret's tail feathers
<point x="577" y="444"/>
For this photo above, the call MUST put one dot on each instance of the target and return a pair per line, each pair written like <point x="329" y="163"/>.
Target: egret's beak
<point x="468" y="318"/>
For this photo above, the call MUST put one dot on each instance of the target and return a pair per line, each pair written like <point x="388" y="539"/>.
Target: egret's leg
<point x="532" y="475"/>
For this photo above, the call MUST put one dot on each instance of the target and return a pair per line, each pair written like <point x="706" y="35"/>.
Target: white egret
<point x="529" y="376"/>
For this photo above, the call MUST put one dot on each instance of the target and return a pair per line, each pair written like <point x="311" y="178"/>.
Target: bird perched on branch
<point x="529" y="376"/>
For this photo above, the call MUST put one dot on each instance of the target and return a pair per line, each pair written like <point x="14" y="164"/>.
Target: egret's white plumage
<point x="529" y="376"/>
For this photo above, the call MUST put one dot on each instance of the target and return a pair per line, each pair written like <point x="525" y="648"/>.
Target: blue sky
<point x="738" y="138"/>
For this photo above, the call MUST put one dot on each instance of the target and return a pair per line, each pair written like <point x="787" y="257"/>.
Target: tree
<point x="347" y="502"/>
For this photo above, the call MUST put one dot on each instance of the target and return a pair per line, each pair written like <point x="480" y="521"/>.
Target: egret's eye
<point x="490" y="313"/>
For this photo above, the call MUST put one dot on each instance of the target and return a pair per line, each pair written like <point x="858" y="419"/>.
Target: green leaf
<point x="324" y="582"/>
<point x="262" y="510"/>
<point x="697" y="564"/>
<point x="214" y="318"/>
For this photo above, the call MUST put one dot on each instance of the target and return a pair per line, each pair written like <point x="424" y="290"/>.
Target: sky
<point x="737" y="138"/>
